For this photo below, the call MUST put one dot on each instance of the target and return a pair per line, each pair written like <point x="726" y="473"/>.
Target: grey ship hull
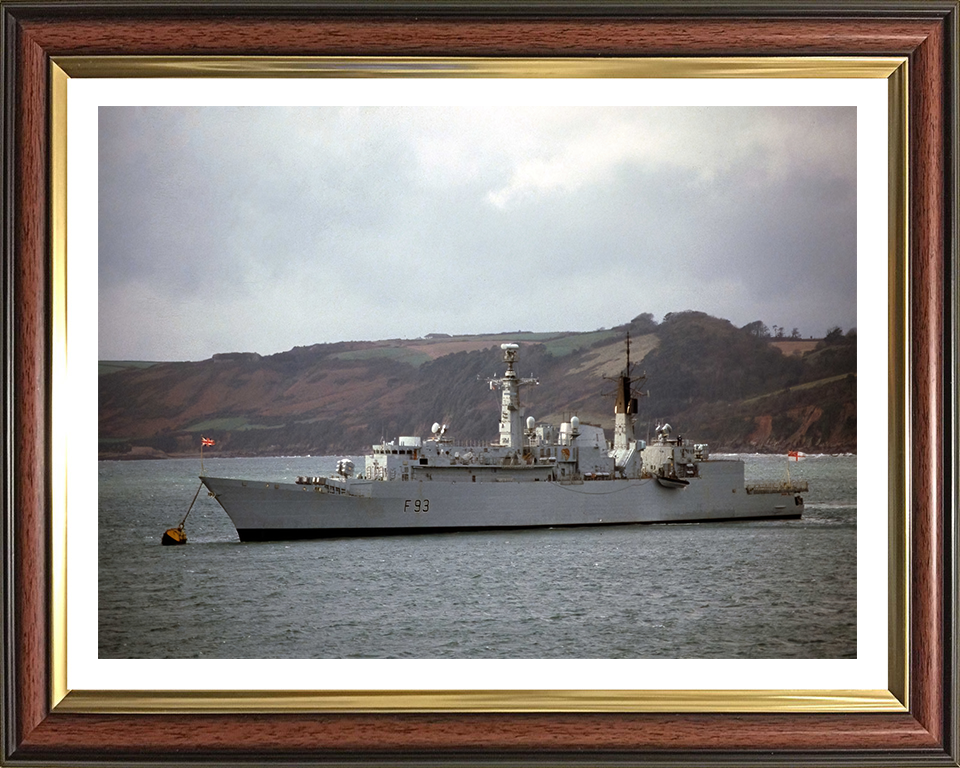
<point x="269" y="511"/>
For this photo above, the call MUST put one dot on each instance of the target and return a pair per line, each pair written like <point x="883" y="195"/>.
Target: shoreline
<point x="161" y="456"/>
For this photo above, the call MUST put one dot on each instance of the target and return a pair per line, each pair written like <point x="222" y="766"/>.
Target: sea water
<point x="749" y="590"/>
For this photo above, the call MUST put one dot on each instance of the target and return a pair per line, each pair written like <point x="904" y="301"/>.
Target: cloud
<point x="714" y="143"/>
<point x="281" y="227"/>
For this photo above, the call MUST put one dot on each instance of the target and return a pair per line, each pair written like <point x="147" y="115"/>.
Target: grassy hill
<point x="731" y="387"/>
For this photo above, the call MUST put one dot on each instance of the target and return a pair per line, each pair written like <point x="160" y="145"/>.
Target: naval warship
<point x="534" y="475"/>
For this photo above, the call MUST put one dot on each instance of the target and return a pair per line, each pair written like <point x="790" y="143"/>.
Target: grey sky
<point x="259" y="229"/>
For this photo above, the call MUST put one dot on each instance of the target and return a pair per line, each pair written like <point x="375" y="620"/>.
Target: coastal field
<point x="735" y="388"/>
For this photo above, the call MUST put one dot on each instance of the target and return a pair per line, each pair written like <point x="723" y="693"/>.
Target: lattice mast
<point x="511" y="417"/>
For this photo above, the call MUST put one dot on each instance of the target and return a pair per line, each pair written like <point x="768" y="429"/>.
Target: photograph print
<point x="477" y="382"/>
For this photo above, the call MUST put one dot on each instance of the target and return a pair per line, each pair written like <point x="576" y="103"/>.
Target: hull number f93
<point x="417" y="505"/>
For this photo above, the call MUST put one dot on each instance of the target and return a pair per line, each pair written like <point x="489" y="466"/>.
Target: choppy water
<point x="782" y="589"/>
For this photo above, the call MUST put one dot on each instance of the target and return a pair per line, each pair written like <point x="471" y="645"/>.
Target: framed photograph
<point x="189" y="714"/>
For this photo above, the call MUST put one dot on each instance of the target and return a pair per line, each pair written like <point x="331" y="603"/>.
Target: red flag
<point x="206" y="441"/>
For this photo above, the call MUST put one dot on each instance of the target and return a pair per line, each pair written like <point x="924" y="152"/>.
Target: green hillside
<point x="735" y="388"/>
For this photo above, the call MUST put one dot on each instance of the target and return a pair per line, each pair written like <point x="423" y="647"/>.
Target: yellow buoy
<point x="174" y="536"/>
<point x="177" y="535"/>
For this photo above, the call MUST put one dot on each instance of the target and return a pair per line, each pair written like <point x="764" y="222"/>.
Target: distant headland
<point x="739" y="389"/>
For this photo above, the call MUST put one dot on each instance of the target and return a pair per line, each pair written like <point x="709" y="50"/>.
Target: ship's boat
<point x="672" y="482"/>
<point x="534" y="475"/>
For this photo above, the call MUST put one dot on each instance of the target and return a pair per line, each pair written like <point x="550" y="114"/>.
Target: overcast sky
<point x="259" y="229"/>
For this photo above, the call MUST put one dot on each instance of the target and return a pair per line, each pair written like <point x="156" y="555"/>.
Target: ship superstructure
<point x="533" y="475"/>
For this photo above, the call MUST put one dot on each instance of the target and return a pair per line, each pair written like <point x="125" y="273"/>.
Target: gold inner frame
<point x="895" y="698"/>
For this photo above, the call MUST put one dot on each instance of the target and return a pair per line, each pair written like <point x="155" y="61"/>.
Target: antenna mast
<point x="625" y="409"/>
<point x="511" y="424"/>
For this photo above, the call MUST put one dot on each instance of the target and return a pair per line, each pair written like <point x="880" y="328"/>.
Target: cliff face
<point x="711" y="381"/>
<point x="742" y="392"/>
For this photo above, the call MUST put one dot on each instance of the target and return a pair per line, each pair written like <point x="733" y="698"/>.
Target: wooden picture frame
<point x="38" y="732"/>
